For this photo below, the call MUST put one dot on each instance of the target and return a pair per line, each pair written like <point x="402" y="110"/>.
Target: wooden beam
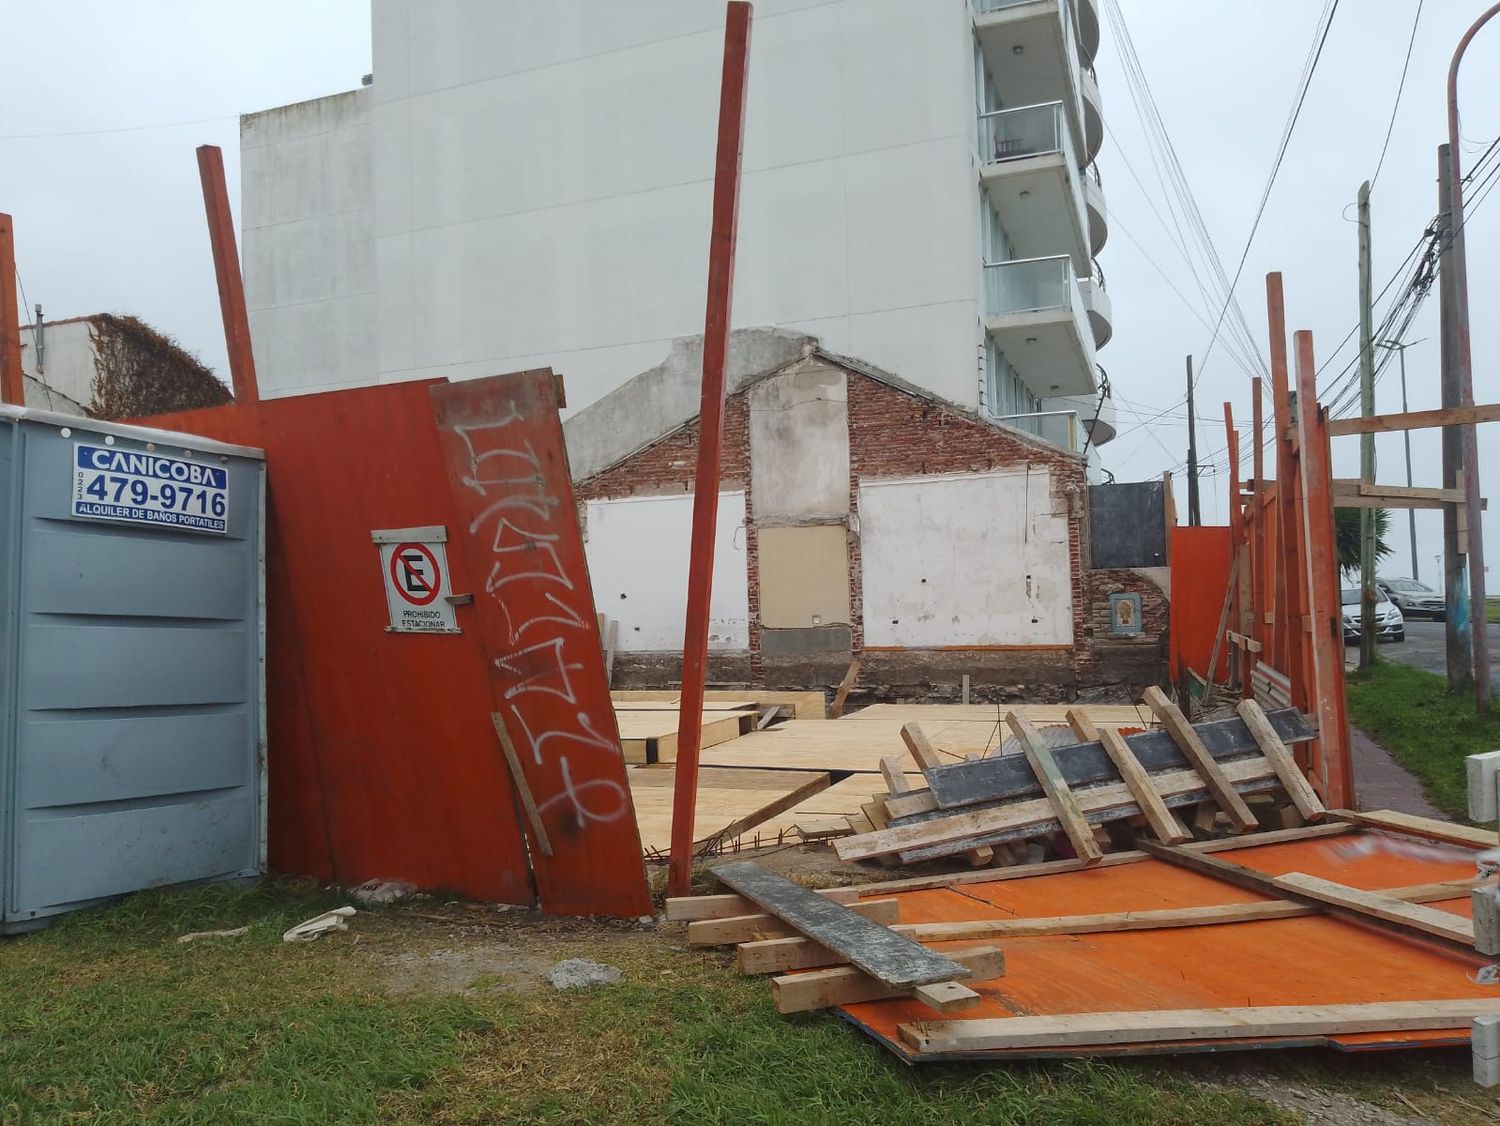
<point x="1344" y="902"/>
<point x="845" y="686"/>
<point x="884" y="955"/>
<point x="1085" y="730"/>
<point x="12" y="376"/>
<point x="1415" y="420"/>
<point x="749" y="928"/>
<point x="922" y="751"/>
<point x="1358" y="494"/>
<point x="847" y="985"/>
<point x="1429" y="920"/>
<point x="690" y="908"/>
<point x="1198" y="757"/>
<point x="1162" y="820"/>
<point x="776" y="955"/>
<point x="1423" y="827"/>
<point x="1308" y="804"/>
<point x="523" y="788"/>
<point x="232" y="308"/>
<point x="1055" y="787"/>
<point x="946" y="996"/>
<point x="1260" y="1022"/>
<point x="892" y="770"/>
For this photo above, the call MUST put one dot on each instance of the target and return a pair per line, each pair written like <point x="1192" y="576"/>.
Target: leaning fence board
<point x="897" y="962"/>
<point x="1189" y="743"/>
<point x="1007" y="777"/>
<point x="777" y="955"/>
<point x="1086" y="1029"/>
<point x="749" y="928"/>
<point x="847" y="985"/>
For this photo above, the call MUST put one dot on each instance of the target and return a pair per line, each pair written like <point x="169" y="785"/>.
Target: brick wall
<point x="892" y="434"/>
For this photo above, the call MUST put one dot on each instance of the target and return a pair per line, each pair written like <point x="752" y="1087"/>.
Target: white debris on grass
<point x="580" y="973"/>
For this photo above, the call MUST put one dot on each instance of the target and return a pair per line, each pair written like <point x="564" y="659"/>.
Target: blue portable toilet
<point x="131" y="662"/>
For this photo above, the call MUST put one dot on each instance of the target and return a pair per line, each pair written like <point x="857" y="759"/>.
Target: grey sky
<point x="113" y="220"/>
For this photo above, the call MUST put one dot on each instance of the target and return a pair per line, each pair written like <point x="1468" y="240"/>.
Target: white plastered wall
<point x="637" y="549"/>
<point x="965" y="560"/>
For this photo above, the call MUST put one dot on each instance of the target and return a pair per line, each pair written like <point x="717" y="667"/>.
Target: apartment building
<point x="525" y="184"/>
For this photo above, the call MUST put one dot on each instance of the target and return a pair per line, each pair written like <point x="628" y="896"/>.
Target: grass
<point x="1492" y="609"/>
<point x="107" y="1017"/>
<point x="1428" y="731"/>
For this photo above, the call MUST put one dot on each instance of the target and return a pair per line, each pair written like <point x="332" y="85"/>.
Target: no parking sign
<point x="418" y="592"/>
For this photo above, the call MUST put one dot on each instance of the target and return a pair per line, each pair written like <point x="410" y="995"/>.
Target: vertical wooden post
<point x="1458" y="614"/>
<point x="1333" y="772"/>
<point x="1286" y="656"/>
<point x="1258" y="522"/>
<point x="12" y="382"/>
<point x="710" y="438"/>
<point x="227" y="272"/>
<point x="1369" y="629"/>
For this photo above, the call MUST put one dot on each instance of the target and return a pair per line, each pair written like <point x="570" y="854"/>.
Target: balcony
<point x="1093" y="114"/>
<point x="1088" y="28"/>
<point x="1036" y="316"/>
<point x="1060" y="425"/>
<point x="1093" y="203"/>
<point x="1096" y="416"/>
<point x="1031" y="49"/>
<point x="1030" y="169"/>
<point x="1096" y="301"/>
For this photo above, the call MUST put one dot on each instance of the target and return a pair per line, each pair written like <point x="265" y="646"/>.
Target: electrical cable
<point x="1400" y="88"/>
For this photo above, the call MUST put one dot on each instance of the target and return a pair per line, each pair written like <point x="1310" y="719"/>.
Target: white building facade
<point x="529" y="184"/>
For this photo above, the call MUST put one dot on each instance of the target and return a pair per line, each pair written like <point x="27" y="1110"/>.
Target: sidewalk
<point x="1380" y="782"/>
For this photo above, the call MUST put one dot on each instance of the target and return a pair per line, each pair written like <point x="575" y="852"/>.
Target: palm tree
<point x="1346" y="537"/>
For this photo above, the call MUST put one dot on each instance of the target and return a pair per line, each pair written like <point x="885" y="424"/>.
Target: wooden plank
<point x="821" y="828"/>
<point x="1429" y="920"/>
<point x="776" y="806"/>
<point x="689" y="908"/>
<point x="1005" y="777"/>
<point x="894" y="774"/>
<point x="1260" y="1022"/>
<point x="523" y="788"/>
<point x="884" y="955"/>
<point x="748" y="928"/>
<point x="1189" y="743"/>
<point x="777" y="955"/>
<point x="844" y="687"/>
<point x="731" y="801"/>
<point x="1423" y="827"/>
<point x="922" y="751"/>
<point x="1308" y="804"/>
<point x="1414" y="420"/>
<point x="1345" y="906"/>
<point x="804" y="705"/>
<point x="1162" y="820"/>
<point x="1120" y="715"/>
<point x="847" y="985"/>
<point x="1085" y="730"/>
<point x="946" y="996"/>
<point x="1039" y="755"/>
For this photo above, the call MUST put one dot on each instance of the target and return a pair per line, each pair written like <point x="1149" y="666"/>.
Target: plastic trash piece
<point x="335" y="920"/>
<point x="235" y="933"/>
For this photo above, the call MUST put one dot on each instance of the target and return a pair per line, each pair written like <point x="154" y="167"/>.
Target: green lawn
<point x="107" y="1018"/>
<point x="1410" y="713"/>
<point x="1492" y="609"/>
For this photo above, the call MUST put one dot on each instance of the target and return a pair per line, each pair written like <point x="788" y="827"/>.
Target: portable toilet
<point x="131" y="662"/>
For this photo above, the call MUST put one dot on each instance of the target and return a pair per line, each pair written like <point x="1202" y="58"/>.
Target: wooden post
<point x="12" y="381"/>
<point x="1320" y="579"/>
<point x="1289" y="607"/>
<point x="1368" y="628"/>
<point x="1195" y="513"/>
<point x="227" y="272"/>
<point x="721" y="249"/>
<point x="1457" y="618"/>
<point x="1257" y="535"/>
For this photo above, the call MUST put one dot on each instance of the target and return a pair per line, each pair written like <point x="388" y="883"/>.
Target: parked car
<point x="1391" y="625"/>
<point x="1414" y="599"/>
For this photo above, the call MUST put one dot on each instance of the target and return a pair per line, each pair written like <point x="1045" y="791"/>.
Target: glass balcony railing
<point x="1009" y="134"/>
<point x="1028" y="285"/>
<point x="1061" y="428"/>
<point x="983" y="6"/>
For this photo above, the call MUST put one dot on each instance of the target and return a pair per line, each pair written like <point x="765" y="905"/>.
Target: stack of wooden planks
<point x="1338" y="934"/>
<point x="852" y="952"/>
<point x="980" y="808"/>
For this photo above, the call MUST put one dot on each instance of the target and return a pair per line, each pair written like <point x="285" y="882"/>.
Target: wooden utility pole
<point x="1195" y="514"/>
<point x="1400" y="349"/>
<point x="721" y="245"/>
<point x="12" y="381"/>
<point x="1368" y="628"/>
<point x="1458" y="628"/>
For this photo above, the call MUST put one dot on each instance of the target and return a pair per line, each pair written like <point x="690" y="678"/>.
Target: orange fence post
<point x="12" y="381"/>
<point x="227" y="272"/>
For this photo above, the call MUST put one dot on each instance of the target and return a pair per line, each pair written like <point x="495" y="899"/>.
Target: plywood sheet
<point x="725" y="797"/>
<point x="674" y="705"/>
<point x="804" y="705"/>
<point x="649" y="737"/>
<point x="1105" y="715"/>
<point x="841" y="799"/>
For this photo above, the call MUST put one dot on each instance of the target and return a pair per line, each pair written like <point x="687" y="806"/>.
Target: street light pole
<point x="1411" y="513"/>
<point x="1464" y="361"/>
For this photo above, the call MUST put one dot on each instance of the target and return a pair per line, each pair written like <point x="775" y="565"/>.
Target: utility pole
<point x="1195" y="514"/>
<point x="1368" y="629"/>
<point x="1457" y="625"/>
<point x="1411" y="513"/>
<point x="1464" y="364"/>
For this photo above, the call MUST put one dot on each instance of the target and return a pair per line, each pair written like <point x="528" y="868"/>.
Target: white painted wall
<point x="544" y="171"/>
<point x="308" y="219"/>
<point x="972" y="560"/>
<point x="68" y="363"/>
<point x="799" y="444"/>
<point x="638" y="547"/>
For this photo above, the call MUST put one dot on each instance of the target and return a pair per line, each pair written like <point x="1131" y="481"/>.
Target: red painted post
<point x="710" y="437"/>
<point x="227" y="271"/>
<point x="12" y="383"/>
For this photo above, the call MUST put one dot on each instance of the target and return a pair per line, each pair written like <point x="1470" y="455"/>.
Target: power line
<point x="116" y="129"/>
<point x="1400" y="88"/>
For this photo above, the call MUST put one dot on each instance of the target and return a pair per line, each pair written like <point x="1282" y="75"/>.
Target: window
<point x="1008" y="393"/>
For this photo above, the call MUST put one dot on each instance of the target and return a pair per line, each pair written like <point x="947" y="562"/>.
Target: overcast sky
<point x="109" y="216"/>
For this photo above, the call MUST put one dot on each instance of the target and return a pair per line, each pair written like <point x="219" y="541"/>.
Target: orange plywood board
<point x="1314" y="960"/>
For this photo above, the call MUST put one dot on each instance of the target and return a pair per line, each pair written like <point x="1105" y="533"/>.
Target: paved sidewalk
<point x="1380" y="782"/>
